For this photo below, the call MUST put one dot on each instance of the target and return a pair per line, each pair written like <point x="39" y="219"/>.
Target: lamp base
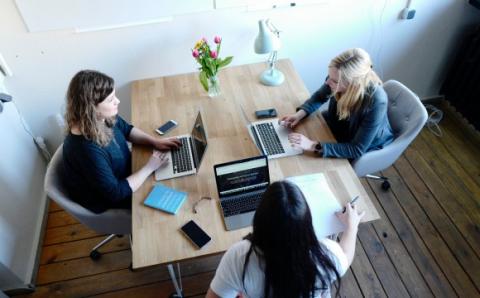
<point x="272" y="77"/>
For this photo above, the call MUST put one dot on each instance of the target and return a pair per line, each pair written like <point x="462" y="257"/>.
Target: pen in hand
<point x="351" y="203"/>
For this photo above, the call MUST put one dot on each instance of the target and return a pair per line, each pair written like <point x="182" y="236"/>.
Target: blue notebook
<point x="165" y="198"/>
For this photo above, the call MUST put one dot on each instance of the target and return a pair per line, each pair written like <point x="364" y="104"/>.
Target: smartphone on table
<point x="170" y="124"/>
<point x="195" y="234"/>
<point x="268" y="113"/>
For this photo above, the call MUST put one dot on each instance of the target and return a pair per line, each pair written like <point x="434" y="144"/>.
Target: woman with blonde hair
<point x="357" y="111"/>
<point x="96" y="157"/>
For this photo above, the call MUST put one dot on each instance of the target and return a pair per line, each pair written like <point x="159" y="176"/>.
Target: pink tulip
<point x="195" y="53"/>
<point x="217" y="39"/>
<point x="213" y="54"/>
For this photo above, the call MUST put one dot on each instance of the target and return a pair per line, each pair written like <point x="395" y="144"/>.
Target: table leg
<point x="178" y="290"/>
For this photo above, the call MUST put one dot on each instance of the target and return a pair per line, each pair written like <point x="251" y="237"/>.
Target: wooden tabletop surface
<point x="156" y="235"/>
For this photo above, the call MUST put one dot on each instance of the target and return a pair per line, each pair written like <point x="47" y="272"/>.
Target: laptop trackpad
<point x="239" y="221"/>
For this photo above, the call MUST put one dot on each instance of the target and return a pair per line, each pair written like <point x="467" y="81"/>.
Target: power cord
<point x="435" y="115"/>
<point x="39" y="141"/>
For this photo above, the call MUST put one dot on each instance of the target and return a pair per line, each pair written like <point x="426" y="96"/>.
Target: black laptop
<point x="240" y="186"/>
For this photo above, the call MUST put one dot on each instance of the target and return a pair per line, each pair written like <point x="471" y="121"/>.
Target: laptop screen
<point x="199" y="141"/>
<point x="243" y="175"/>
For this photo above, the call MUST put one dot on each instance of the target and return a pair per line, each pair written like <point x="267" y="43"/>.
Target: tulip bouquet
<point x="210" y="63"/>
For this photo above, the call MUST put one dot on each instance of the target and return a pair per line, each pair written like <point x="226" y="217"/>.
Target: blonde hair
<point x="355" y="71"/>
<point x="86" y="90"/>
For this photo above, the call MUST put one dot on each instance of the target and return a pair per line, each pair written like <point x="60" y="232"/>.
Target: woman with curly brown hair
<point x="96" y="157"/>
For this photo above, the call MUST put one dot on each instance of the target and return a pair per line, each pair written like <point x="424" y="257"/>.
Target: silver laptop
<point x="186" y="159"/>
<point x="240" y="186"/>
<point x="271" y="138"/>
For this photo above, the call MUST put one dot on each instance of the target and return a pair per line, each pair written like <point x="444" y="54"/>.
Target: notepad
<point x="322" y="203"/>
<point x="165" y="198"/>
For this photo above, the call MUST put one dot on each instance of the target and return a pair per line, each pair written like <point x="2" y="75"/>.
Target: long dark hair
<point x="284" y="239"/>
<point x="86" y="90"/>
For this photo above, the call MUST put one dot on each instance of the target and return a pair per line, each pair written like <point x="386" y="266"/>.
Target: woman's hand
<point x="157" y="160"/>
<point x="302" y="142"/>
<point x="166" y="144"/>
<point x="350" y="218"/>
<point x="291" y="121"/>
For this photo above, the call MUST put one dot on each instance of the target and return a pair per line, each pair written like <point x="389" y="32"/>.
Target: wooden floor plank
<point x="452" y="173"/>
<point x="398" y="250"/>
<point x="465" y="220"/>
<point x="59" y="219"/>
<point x="438" y="147"/>
<point x="460" y="147"/>
<point x="53" y="206"/>
<point x="79" y="249"/>
<point x="365" y="274"/>
<point x="83" y="267"/>
<point x="442" y="255"/>
<point x="68" y="233"/>
<point x="121" y="279"/>
<point x="390" y="280"/>
<point x="349" y="286"/>
<point x="192" y="286"/>
<point x="447" y="228"/>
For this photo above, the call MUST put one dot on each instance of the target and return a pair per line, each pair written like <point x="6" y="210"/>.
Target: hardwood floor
<point x="426" y="244"/>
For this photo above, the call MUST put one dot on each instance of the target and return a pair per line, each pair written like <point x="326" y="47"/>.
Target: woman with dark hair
<point x="282" y="257"/>
<point x="96" y="157"/>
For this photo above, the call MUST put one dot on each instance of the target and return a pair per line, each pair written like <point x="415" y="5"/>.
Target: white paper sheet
<point x="322" y="203"/>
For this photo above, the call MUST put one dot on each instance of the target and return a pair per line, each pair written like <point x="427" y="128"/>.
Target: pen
<point x="351" y="203"/>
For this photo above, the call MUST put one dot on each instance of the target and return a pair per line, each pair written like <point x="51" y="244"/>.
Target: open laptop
<point x="270" y="137"/>
<point x="186" y="159"/>
<point x="240" y="186"/>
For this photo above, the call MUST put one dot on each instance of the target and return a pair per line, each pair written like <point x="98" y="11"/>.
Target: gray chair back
<point x="113" y="221"/>
<point x="407" y="116"/>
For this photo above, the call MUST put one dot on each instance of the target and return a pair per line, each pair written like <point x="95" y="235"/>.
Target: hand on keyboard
<point x="167" y="144"/>
<point x="301" y="142"/>
<point x="157" y="160"/>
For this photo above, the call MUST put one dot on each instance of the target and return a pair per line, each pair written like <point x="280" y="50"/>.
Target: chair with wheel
<point x="115" y="222"/>
<point x="407" y="116"/>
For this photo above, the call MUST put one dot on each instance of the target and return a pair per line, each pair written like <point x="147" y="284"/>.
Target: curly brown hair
<point x="86" y="90"/>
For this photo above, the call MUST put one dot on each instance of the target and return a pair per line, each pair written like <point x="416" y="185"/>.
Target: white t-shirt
<point x="228" y="277"/>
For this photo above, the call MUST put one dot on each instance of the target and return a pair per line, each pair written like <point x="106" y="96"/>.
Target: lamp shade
<point x="266" y="41"/>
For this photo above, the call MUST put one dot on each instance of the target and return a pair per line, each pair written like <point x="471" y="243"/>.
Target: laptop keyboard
<point x="242" y="203"/>
<point x="181" y="157"/>
<point x="270" y="139"/>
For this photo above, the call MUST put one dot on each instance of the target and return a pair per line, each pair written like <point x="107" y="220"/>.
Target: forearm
<point x="136" y="179"/>
<point x="347" y="243"/>
<point x="139" y="137"/>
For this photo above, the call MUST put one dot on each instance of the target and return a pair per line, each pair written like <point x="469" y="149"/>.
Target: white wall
<point x="415" y="52"/>
<point x="22" y="200"/>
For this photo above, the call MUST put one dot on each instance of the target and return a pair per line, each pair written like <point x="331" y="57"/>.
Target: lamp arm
<point x="272" y="28"/>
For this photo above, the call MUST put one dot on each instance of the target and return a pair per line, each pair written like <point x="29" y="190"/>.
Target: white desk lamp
<point x="268" y="41"/>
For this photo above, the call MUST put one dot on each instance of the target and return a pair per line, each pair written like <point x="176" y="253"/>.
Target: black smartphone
<point x="195" y="234"/>
<point x="166" y="127"/>
<point x="268" y="113"/>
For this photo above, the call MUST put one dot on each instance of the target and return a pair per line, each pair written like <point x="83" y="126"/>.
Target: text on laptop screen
<point x="199" y="139"/>
<point x="242" y="176"/>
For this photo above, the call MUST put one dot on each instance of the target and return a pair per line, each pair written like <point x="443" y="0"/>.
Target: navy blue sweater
<point x="95" y="176"/>
<point x="366" y="129"/>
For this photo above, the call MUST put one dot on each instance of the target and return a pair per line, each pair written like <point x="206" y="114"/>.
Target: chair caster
<point x="95" y="255"/>
<point x="385" y="185"/>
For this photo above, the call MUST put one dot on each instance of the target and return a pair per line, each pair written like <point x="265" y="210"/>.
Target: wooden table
<point x="156" y="236"/>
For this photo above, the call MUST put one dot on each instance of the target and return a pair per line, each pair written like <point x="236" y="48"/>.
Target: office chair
<point x="116" y="222"/>
<point x="407" y="116"/>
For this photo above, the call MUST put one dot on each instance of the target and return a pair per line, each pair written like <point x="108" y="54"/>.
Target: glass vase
<point x="213" y="86"/>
